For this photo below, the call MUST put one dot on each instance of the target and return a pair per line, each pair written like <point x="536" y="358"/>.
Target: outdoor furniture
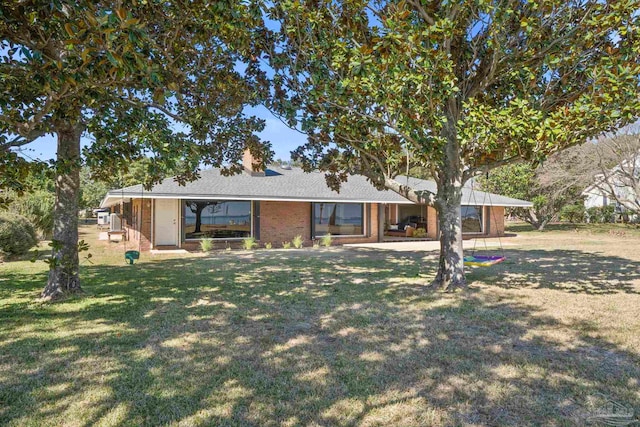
<point x="122" y="233"/>
<point x="407" y="232"/>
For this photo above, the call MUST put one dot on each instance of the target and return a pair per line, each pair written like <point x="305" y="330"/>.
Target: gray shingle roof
<point x="282" y="184"/>
<point x="469" y="196"/>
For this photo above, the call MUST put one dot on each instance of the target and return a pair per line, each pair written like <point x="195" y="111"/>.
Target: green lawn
<point x="327" y="337"/>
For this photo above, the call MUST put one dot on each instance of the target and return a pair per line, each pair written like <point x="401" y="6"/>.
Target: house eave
<point x="114" y="198"/>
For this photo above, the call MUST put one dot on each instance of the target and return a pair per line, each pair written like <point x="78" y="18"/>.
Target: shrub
<point x="573" y="213"/>
<point x="601" y="214"/>
<point x="420" y="233"/>
<point x="206" y="245"/>
<point x="326" y="240"/>
<point x="316" y="244"/>
<point x="286" y="245"/>
<point x="297" y="241"/>
<point x="248" y="243"/>
<point x="268" y="245"/>
<point x="17" y="235"/>
<point x="37" y="207"/>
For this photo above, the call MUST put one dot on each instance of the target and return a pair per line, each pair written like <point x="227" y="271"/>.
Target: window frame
<point x="197" y="239"/>
<point x="363" y="207"/>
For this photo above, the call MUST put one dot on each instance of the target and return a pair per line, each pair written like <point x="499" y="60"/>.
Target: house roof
<point x="284" y="184"/>
<point x="469" y="195"/>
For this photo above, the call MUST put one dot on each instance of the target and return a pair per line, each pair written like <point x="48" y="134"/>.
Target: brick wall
<point x="391" y="211"/>
<point x="496" y="221"/>
<point x="139" y="228"/>
<point x="282" y="221"/>
<point x="432" y="223"/>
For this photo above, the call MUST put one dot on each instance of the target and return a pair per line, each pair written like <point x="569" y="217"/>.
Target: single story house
<point x="281" y="202"/>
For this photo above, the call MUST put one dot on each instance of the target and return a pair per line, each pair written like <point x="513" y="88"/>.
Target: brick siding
<point x="139" y="230"/>
<point x="282" y="221"/>
<point x="496" y="221"/>
<point x="432" y="223"/>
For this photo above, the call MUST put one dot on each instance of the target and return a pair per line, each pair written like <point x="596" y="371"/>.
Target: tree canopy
<point x="168" y="80"/>
<point x="456" y="87"/>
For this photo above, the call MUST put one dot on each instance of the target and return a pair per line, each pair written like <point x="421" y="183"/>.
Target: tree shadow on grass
<point x="566" y="270"/>
<point x="572" y="227"/>
<point x="341" y="338"/>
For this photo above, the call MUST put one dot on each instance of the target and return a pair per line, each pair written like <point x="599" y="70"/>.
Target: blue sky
<point x="283" y="140"/>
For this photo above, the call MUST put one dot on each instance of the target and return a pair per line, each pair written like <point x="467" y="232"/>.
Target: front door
<point x="166" y="222"/>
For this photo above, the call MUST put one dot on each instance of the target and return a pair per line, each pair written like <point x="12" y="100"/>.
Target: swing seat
<point x="483" y="261"/>
<point x="131" y="256"/>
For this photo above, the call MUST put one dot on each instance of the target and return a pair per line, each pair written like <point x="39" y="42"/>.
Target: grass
<point x="314" y="337"/>
<point x="630" y="229"/>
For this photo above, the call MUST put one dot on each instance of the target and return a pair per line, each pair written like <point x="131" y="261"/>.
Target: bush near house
<point x="601" y="214"/>
<point x="17" y="235"/>
<point x="326" y="240"/>
<point x="297" y="241"/>
<point x="575" y="213"/>
<point x="420" y="233"/>
<point x="249" y="243"/>
<point x="206" y="245"/>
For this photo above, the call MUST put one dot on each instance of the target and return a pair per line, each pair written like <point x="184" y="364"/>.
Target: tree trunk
<point x="63" y="274"/>
<point x="450" y="275"/>
<point x="537" y="221"/>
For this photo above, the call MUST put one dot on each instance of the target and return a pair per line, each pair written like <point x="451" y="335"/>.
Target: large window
<point x="472" y="219"/>
<point x="216" y="219"/>
<point x="338" y="219"/>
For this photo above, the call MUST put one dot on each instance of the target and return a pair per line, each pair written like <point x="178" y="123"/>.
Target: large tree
<point x="158" y="78"/>
<point x="456" y="87"/>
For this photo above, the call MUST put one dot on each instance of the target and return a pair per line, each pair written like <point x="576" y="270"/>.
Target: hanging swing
<point x="484" y="260"/>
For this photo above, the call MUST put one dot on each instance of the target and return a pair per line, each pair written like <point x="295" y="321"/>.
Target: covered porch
<point x="406" y="222"/>
<point x="409" y="222"/>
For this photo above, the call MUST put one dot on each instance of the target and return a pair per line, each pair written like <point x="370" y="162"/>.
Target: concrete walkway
<point x="432" y="245"/>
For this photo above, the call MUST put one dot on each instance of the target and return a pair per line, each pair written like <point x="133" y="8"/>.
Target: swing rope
<point x="484" y="261"/>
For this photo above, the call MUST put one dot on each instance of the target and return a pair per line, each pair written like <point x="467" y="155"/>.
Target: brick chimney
<point x="250" y="164"/>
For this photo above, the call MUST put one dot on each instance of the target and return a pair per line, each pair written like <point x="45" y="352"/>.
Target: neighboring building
<point x="619" y="187"/>
<point x="280" y="203"/>
<point x="594" y="197"/>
